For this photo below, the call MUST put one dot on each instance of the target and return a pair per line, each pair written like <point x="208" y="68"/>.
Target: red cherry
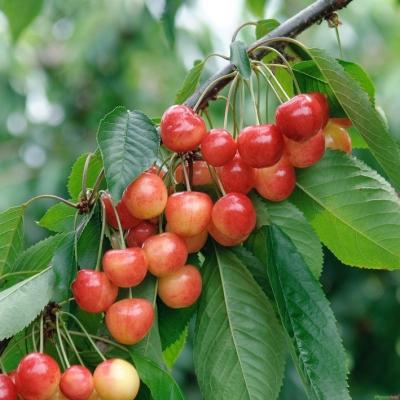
<point x="38" y="376"/>
<point x="188" y="213"/>
<point x="8" y="391"/>
<point x="58" y="396"/>
<point x="146" y="197"/>
<point x="193" y="243"/>
<point x="234" y="215"/>
<point x="222" y="239"/>
<point x="321" y="98"/>
<point x="218" y="147"/>
<point x="77" y="383"/>
<point x="125" y="267"/>
<point x="182" y="129"/>
<point x="345" y="122"/>
<point x="300" y="118"/>
<point x="130" y="320"/>
<point x="236" y="176"/>
<point x="201" y="174"/>
<point x="276" y="183"/>
<point x="140" y="233"/>
<point x="305" y="154"/>
<point x="181" y="288"/>
<point x="337" y="137"/>
<point x="165" y="253"/>
<point x="260" y="145"/>
<point x="93" y="291"/>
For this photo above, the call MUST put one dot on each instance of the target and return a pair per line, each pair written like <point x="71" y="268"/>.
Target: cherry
<point x="300" y="118"/>
<point x="182" y="288"/>
<point x="218" y="147"/>
<point x="276" y="183"/>
<point x="146" y="196"/>
<point x="126" y="218"/>
<point x="116" y="379"/>
<point x="234" y="215"/>
<point x="345" y="122"/>
<point x="140" y="233"/>
<point x="305" y="154"/>
<point x="182" y="129"/>
<point x="321" y="98"/>
<point x="93" y="291"/>
<point x="58" y="396"/>
<point x="337" y="137"/>
<point x="130" y="320"/>
<point x="8" y="391"/>
<point x="260" y="145"/>
<point x="165" y="253"/>
<point x="76" y="383"/>
<point x="201" y="174"/>
<point x="222" y="239"/>
<point x="188" y="213"/>
<point x="38" y="376"/>
<point x="125" y="267"/>
<point x="193" y="243"/>
<point x="236" y="176"/>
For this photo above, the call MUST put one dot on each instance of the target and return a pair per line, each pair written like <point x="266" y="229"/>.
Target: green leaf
<point x="75" y="178"/>
<point x="265" y="26"/>
<point x="190" y="82"/>
<point x="129" y="144"/>
<point x="21" y="303"/>
<point x="354" y="211"/>
<point x="285" y="78"/>
<point x="11" y="236"/>
<point x="238" y="347"/>
<point x="58" y="218"/>
<point x="161" y="384"/>
<point x="172" y="352"/>
<point x="240" y="59"/>
<point x="20" y="13"/>
<point x="292" y="221"/>
<point x="308" y="320"/>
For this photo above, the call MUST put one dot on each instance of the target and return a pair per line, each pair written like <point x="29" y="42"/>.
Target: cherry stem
<point x="96" y="186"/>
<point x="100" y="339"/>
<point x="76" y="239"/>
<point x="85" y="175"/>
<point x="121" y="232"/>
<point x="278" y="84"/>
<point x="216" y="179"/>
<point x="242" y="105"/>
<point x="270" y="84"/>
<point x="130" y="293"/>
<point x="34" y="338"/>
<point x="216" y="55"/>
<point x="228" y="100"/>
<point x="64" y="367"/>
<point x="235" y="122"/>
<point x="207" y="115"/>
<point x="64" y="354"/>
<point x="49" y="196"/>
<point x="240" y="28"/>
<point x="253" y="99"/>
<point x="41" y="334"/>
<point x="103" y="228"/>
<point x="71" y="342"/>
<point x="339" y="41"/>
<point x="186" y="176"/>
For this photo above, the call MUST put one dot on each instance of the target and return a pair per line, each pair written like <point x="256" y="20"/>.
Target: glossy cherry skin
<point x="218" y="147"/>
<point x="222" y="239"/>
<point x="200" y="176"/>
<point x="130" y="320"/>
<point x="300" y="118"/>
<point x="93" y="291"/>
<point x="137" y="236"/>
<point x="276" y="183"/>
<point x="236" y="176"/>
<point x="77" y="383"/>
<point x="188" y="213"/>
<point x="181" y="288"/>
<point x="321" y="98"/>
<point x="337" y="137"/>
<point x="193" y="243"/>
<point x="146" y="197"/>
<point x="125" y="267"/>
<point x="260" y="145"/>
<point x="116" y="379"/>
<point x="305" y="154"/>
<point x="38" y="376"/>
<point x="165" y="253"/>
<point x="182" y="129"/>
<point x="234" y="215"/>
<point x="8" y="391"/>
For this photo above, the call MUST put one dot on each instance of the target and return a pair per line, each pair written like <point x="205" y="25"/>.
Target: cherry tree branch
<point x="292" y="27"/>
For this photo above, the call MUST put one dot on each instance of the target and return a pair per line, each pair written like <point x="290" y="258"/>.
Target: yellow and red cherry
<point x="8" y="391"/>
<point x="37" y="377"/>
<point x="260" y="145"/>
<point x="165" y="253"/>
<point x="116" y="379"/>
<point x="201" y="174"/>
<point x="93" y="291"/>
<point x="222" y="239"/>
<point x="193" y="243"/>
<point x="126" y="218"/>
<point x="137" y="236"/>
<point x="337" y="137"/>
<point x="182" y="288"/>
<point x="77" y="383"/>
<point x="218" y="147"/>
<point x="182" y="130"/>
<point x="146" y="196"/>
<point x="129" y="320"/>
<point x="234" y="215"/>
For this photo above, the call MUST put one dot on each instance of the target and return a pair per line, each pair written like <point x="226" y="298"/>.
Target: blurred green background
<point x="80" y="59"/>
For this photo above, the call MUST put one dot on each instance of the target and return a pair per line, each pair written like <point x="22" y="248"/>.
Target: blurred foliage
<point x="79" y="60"/>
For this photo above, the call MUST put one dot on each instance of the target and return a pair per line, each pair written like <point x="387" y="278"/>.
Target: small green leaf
<point x="190" y="82"/>
<point x="25" y="300"/>
<point x="265" y="26"/>
<point x="11" y="236"/>
<point x="172" y="353"/>
<point x="58" y="218"/>
<point x="129" y="144"/>
<point x="240" y="59"/>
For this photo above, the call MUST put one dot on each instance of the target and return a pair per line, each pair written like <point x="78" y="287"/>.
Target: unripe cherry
<point x="193" y="243"/>
<point x="337" y="137"/>
<point x="137" y="236"/>
<point x="222" y="239"/>
<point x="130" y="320"/>
<point x="322" y="101"/>
<point x="218" y="147"/>
<point x="201" y="174"/>
<point x="8" y="391"/>
<point x="77" y="383"/>
<point x="182" y="288"/>
<point x="182" y="129"/>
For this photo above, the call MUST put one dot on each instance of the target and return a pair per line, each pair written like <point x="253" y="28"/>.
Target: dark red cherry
<point x="321" y="98"/>
<point x="218" y="147"/>
<point x="200" y="175"/>
<point x="140" y="233"/>
<point x="77" y="383"/>
<point x="8" y="391"/>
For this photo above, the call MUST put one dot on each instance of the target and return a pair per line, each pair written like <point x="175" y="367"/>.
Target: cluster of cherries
<point x="38" y="377"/>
